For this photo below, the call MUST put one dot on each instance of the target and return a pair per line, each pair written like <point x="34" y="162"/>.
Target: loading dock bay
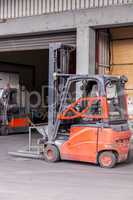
<point x="34" y="179"/>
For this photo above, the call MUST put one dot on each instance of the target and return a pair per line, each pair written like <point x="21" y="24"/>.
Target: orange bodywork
<point x="81" y="145"/>
<point x="117" y="141"/>
<point x="19" y="122"/>
<point x="86" y="142"/>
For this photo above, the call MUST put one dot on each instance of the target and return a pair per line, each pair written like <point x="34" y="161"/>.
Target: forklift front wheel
<point x="51" y="153"/>
<point x="107" y="159"/>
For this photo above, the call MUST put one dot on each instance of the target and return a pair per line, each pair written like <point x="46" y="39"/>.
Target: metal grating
<point x="21" y="8"/>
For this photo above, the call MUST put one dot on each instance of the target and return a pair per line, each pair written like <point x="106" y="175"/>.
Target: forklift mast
<point x="59" y="63"/>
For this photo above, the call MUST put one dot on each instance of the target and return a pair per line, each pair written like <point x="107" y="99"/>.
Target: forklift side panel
<point x="117" y="141"/>
<point x="82" y="144"/>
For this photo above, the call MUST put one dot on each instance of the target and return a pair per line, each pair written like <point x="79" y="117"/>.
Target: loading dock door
<point x="115" y="56"/>
<point x="122" y="55"/>
<point x="40" y="41"/>
<point x="122" y="59"/>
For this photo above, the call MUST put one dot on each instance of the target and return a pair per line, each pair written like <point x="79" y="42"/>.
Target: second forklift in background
<point x="13" y="117"/>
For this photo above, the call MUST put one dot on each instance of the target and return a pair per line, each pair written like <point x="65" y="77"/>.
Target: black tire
<point x="107" y="159"/>
<point x="51" y="153"/>
<point x="4" y="131"/>
<point x="130" y="156"/>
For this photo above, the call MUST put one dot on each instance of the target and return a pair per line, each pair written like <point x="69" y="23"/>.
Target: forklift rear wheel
<point x="4" y="131"/>
<point x="51" y="153"/>
<point x="107" y="159"/>
<point x="130" y="156"/>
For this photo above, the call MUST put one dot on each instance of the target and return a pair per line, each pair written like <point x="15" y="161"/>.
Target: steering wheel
<point x="77" y="114"/>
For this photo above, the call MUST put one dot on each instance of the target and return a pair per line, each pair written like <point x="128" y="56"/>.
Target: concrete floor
<point x="27" y="179"/>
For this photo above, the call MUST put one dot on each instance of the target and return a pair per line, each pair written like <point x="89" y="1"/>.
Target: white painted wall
<point x="9" y="78"/>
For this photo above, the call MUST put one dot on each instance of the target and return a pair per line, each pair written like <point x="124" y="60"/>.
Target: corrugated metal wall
<point x="36" y="42"/>
<point x="21" y="8"/>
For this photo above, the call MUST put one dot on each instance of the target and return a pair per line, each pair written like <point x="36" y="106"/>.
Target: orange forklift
<point x="13" y="117"/>
<point x="87" y="115"/>
<point x="88" y="122"/>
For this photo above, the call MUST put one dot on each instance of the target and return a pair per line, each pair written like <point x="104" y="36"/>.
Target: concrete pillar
<point x="85" y="50"/>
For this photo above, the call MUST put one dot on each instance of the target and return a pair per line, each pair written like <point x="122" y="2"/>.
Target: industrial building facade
<point x="100" y="30"/>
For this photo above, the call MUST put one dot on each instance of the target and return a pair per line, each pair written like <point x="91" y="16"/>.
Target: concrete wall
<point x="98" y="17"/>
<point x="84" y="21"/>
